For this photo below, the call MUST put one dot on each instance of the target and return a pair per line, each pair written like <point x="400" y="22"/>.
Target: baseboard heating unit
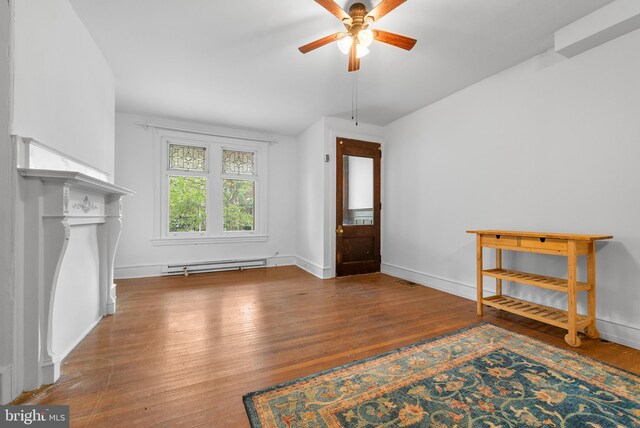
<point x="212" y="266"/>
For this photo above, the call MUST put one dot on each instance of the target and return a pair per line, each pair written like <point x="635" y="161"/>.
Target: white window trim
<point x="215" y="145"/>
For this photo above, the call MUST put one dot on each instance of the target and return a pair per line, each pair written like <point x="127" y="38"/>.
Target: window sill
<point x="208" y="240"/>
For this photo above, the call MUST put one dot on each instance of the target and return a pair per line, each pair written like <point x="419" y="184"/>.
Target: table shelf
<point x="535" y="311"/>
<point x="547" y="282"/>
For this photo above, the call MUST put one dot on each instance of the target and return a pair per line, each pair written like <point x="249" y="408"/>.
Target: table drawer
<point x="509" y="241"/>
<point x="550" y="244"/>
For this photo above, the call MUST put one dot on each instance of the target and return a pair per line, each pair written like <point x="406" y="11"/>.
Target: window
<point x="210" y="190"/>
<point x="238" y="191"/>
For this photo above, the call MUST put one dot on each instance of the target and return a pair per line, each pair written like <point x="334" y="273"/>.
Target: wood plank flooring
<point x="181" y="351"/>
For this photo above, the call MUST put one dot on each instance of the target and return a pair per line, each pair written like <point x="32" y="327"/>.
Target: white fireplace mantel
<point x="56" y="205"/>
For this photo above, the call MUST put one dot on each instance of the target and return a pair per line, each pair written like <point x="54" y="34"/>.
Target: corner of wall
<point x="8" y="194"/>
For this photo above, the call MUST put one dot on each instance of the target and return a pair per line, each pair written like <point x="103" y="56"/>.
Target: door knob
<point x="339" y="230"/>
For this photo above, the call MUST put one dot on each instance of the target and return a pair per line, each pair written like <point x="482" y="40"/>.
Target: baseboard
<point x="618" y="333"/>
<point x="137" y="271"/>
<point x="313" y="269"/>
<point x="62" y="355"/>
<point x="609" y="330"/>
<point x="468" y="291"/>
<point x="144" y="271"/>
<point x="6" y="384"/>
<point x="281" y="261"/>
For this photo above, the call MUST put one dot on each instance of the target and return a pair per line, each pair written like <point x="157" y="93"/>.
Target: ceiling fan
<point x="356" y="40"/>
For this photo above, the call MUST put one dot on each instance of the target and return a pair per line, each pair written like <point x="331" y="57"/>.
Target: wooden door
<point x="357" y="207"/>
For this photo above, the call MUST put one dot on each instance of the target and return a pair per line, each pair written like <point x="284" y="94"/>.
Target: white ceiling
<point x="236" y="63"/>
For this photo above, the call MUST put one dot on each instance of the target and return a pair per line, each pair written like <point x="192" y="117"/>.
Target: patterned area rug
<point x="482" y="376"/>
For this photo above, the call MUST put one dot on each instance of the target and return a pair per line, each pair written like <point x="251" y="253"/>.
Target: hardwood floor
<point x="181" y="351"/>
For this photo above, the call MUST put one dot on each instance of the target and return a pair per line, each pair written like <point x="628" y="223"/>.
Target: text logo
<point x="34" y="416"/>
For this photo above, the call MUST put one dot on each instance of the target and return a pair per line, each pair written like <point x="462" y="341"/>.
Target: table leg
<point x="572" y="267"/>
<point x="479" y="273"/>
<point x="591" y="329"/>
<point x="498" y="266"/>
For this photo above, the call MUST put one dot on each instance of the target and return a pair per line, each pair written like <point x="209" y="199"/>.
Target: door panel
<point x="357" y="207"/>
<point x="358" y="249"/>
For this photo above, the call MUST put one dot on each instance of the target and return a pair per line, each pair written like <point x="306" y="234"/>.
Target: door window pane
<point x="357" y="190"/>
<point x="187" y="204"/>
<point x="239" y="205"/>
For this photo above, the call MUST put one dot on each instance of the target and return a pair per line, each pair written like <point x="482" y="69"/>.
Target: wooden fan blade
<point x="354" y="62"/>
<point x="394" y="39"/>
<point x="319" y="43"/>
<point x="335" y="10"/>
<point x="384" y="7"/>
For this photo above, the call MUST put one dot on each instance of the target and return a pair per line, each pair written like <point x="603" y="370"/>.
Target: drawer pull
<point x="497" y="236"/>
<point x="543" y="239"/>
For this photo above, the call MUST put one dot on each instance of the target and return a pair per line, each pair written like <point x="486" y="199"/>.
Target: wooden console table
<point x="569" y="245"/>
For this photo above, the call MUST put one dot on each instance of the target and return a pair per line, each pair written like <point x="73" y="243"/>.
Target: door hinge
<point x="380" y="206"/>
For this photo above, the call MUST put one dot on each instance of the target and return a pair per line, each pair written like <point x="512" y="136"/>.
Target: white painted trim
<point x="447" y="285"/>
<point x="75" y="178"/>
<point x="152" y="270"/>
<point x="208" y="240"/>
<point x="281" y="261"/>
<point x="609" y="330"/>
<point x="137" y="271"/>
<point x="6" y="384"/>
<point x="313" y="269"/>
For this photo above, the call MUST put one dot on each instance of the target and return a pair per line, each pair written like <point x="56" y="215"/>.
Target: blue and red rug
<point x="482" y="376"/>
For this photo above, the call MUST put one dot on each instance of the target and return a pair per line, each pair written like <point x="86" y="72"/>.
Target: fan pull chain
<point x="354" y="98"/>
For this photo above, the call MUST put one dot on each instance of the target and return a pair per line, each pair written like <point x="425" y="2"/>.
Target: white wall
<point x="548" y="145"/>
<point x="310" y="221"/>
<point x="137" y="256"/>
<point x="317" y="190"/>
<point x="7" y="217"/>
<point x="64" y="89"/>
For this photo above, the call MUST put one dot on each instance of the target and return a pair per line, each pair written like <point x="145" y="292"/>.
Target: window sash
<point x="204" y="170"/>
<point x="207" y="184"/>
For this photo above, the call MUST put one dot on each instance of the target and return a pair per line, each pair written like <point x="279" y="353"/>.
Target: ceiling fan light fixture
<point x="344" y="43"/>
<point x="361" y="50"/>
<point x="356" y="40"/>
<point x="365" y="37"/>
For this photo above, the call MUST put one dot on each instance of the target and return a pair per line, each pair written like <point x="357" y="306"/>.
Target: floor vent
<point x="405" y="282"/>
<point x="212" y="266"/>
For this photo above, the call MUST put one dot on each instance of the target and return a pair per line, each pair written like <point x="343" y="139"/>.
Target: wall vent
<point x="212" y="266"/>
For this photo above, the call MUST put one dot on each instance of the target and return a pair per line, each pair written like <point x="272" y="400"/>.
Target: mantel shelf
<point x="548" y="282"/>
<point x="76" y="179"/>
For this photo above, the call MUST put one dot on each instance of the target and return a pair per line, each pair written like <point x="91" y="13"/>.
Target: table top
<point x="553" y="235"/>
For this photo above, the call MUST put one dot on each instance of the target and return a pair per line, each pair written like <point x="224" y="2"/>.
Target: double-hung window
<point x="210" y="190"/>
